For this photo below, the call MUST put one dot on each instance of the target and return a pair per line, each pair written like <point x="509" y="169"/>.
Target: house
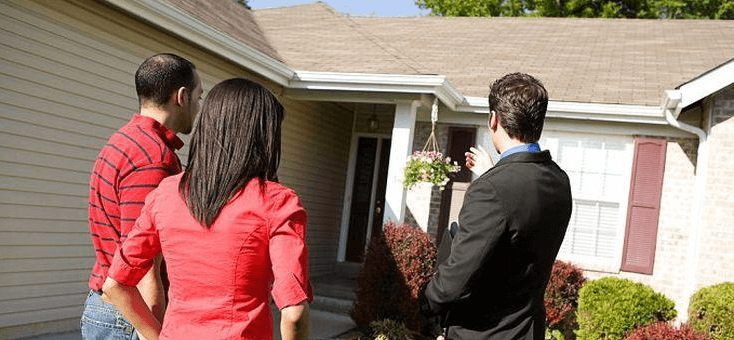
<point x="640" y="117"/>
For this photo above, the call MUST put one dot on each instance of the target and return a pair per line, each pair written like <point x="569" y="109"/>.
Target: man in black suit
<point x="511" y="226"/>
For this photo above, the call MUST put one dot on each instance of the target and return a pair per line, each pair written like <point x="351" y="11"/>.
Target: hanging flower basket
<point x="429" y="167"/>
<point x="424" y="170"/>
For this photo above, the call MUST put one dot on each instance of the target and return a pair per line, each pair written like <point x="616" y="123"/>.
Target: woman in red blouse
<point x="231" y="235"/>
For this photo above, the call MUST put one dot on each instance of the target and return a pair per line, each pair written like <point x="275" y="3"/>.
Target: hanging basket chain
<point x="430" y="165"/>
<point x="432" y="144"/>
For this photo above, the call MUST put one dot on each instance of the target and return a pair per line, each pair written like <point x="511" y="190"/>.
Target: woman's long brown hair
<point x="236" y="138"/>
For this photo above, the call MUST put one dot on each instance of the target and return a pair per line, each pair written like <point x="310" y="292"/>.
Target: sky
<point x="383" y="8"/>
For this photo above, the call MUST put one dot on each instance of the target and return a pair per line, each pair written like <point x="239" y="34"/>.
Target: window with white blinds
<point x="599" y="170"/>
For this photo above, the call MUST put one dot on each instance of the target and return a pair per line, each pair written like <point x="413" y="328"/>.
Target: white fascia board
<point x="607" y="112"/>
<point x="388" y="83"/>
<point x="707" y="84"/>
<point x="174" y="20"/>
<point x="478" y="105"/>
<point x="584" y="111"/>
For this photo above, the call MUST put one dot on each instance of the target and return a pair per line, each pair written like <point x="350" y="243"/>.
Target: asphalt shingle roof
<point x="620" y="61"/>
<point x="317" y="38"/>
<point x="229" y="18"/>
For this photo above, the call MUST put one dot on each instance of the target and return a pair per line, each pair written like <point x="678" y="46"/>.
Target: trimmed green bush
<point x="610" y="307"/>
<point x="712" y="310"/>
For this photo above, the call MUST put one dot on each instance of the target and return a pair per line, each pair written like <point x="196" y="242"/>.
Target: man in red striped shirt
<point x="132" y="163"/>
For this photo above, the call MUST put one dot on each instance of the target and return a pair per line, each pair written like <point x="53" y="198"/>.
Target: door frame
<point x="349" y="186"/>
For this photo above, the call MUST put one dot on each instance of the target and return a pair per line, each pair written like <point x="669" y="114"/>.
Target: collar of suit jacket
<point x="525" y="157"/>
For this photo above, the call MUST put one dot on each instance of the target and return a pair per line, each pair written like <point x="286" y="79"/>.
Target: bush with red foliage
<point x="562" y="296"/>
<point x="398" y="263"/>
<point x="664" y="331"/>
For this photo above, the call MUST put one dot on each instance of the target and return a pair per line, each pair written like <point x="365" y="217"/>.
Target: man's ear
<point x="180" y="97"/>
<point x="493" y="121"/>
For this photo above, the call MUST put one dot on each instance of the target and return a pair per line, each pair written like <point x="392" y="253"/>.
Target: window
<point x="599" y="170"/>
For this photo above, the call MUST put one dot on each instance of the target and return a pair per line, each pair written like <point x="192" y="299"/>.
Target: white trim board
<point x="705" y="85"/>
<point x="173" y="19"/>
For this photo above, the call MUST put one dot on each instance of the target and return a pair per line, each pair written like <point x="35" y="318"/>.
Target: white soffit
<point x="707" y="84"/>
<point x="387" y="83"/>
<point x="174" y="20"/>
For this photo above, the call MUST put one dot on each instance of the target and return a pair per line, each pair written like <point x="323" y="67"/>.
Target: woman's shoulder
<point x="170" y="182"/>
<point x="276" y="189"/>
<point x="167" y="186"/>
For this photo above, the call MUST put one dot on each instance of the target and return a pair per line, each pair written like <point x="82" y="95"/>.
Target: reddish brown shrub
<point x="398" y="263"/>
<point x="562" y="296"/>
<point x="664" y="331"/>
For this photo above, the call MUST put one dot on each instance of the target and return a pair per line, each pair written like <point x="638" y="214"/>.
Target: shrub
<point x="389" y="330"/>
<point x="561" y="298"/>
<point x="610" y="307"/>
<point x="664" y="331"/>
<point x="712" y="310"/>
<point x="398" y="263"/>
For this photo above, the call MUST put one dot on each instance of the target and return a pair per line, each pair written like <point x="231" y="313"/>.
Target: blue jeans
<point x="101" y="320"/>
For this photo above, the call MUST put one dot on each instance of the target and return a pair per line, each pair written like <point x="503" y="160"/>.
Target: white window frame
<point x="613" y="264"/>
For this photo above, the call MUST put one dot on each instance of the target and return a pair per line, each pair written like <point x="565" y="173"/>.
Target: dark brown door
<point x="366" y="209"/>
<point x="460" y="139"/>
<point x="379" y="211"/>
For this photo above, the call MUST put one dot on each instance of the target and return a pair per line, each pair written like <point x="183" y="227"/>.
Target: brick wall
<point x="714" y="262"/>
<point x="716" y="237"/>
<point x="674" y="224"/>
<point x="422" y="132"/>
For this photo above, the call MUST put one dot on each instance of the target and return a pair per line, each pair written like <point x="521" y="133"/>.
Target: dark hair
<point x="236" y="138"/>
<point x="162" y="74"/>
<point x="520" y="102"/>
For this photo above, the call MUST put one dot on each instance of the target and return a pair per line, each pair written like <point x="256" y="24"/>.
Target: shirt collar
<point x="168" y="136"/>
<point x="532" y="147"/>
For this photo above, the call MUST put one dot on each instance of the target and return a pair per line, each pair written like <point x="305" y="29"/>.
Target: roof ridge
<point x="402" y="58"/>
<point x="290" y="6"/>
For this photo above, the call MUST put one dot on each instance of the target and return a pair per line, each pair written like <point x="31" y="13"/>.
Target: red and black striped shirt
<point x="132" y="163"/>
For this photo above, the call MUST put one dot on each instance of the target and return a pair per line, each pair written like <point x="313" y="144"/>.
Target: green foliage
<point x="642" y="9"/>
<point x="429" y="166"/>
<point x="389" y="330"/>
<point x="243" y="3"/>
<point x="610" y="307"/>
<point x="712" y="310"/>
<point x="554" y="334"/>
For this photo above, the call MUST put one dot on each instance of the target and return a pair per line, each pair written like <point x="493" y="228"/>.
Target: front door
<point x="367" y="204"/>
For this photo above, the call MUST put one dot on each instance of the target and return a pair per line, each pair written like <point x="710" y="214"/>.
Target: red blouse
<point x="221" y="277"/>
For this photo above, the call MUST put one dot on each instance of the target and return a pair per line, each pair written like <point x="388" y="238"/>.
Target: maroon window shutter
<point x="644" y="205"/>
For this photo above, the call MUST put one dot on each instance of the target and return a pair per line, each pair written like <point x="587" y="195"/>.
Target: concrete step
<point x="332" y="304"/>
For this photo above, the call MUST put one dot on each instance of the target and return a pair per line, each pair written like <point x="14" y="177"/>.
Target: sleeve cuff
<point x="289" y="291"/>
<point x="124" y="273"/>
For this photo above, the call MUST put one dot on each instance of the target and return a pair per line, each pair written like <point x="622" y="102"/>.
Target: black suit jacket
<point x="511" y="226"/>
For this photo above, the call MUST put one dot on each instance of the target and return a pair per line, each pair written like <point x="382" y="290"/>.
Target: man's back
<point x="132" y="163"/>
<point x="512" y="224"/>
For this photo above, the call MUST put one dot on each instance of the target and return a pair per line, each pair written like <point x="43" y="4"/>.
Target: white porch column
<point x="401" y="146"/>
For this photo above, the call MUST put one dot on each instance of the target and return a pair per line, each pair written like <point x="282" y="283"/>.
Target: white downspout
<point x="670" y="104"/>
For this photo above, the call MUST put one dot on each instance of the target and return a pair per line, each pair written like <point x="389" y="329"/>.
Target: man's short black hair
<point x="520" y="102"/>
<point x="162" y="74"/>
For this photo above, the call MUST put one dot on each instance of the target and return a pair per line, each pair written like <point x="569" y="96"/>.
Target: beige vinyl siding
<point x="314" y="163"/>
<point x="66" y="84"/>
<point x="60" y="98"/>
